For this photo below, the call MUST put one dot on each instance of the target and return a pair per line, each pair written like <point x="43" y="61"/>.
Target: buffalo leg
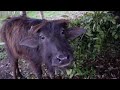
<point x="12" y="62"/>
<point x="18" y="71"/>
<point x="51" y="71"/>
<point x="37" y="69"/>
<point x="14" y="66"/>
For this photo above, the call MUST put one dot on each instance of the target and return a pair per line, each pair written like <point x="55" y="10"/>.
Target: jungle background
<point x="97" y="53"/>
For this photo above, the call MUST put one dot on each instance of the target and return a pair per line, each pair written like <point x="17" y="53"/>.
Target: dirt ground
<point x="6" y="70"/>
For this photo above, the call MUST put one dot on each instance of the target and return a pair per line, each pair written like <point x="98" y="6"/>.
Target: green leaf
<point x="71" y="75"/>
<point x="95" y="38"/>
<point x="69" y="71"/>
<point x="116" y="36"/>
<point x="113" y="21"/>
<point x="118" y="25"/>
<point x="113" y="33"/>
<point x="89" y="45"/>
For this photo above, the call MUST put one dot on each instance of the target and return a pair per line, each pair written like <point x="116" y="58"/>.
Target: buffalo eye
<point x="42" y="37"/>
<point x="62" y="31"/>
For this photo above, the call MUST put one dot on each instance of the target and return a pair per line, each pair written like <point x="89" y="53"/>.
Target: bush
<point x="102" y="32"/>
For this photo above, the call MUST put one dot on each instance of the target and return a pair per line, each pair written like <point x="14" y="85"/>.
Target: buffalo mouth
<point x="65" y="65"/>
<point x="62" y="65"/>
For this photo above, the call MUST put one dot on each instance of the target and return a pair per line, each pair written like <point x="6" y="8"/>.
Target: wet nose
<point x="62" y="58"/>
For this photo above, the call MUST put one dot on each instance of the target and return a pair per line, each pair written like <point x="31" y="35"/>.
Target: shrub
<point x="102" y="31"/>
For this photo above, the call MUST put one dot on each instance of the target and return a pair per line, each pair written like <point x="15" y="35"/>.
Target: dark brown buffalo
<point x="39" y="41"/>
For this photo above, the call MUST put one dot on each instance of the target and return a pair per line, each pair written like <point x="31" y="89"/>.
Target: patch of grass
<point x="47" y="14"/>
<point x="53" y="13"/>
<point x="33" y="14"/>
<point x="2" y="53"/>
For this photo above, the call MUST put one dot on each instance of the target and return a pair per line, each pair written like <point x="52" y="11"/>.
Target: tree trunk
<point x="41" y="14"/>
<point x="23" y="13"/>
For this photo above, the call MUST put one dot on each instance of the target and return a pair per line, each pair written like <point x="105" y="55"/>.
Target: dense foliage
<point x="103" y="34"/>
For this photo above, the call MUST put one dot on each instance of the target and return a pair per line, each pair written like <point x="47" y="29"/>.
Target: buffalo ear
<point x="37" y="27"/>
<point x="73" y="33"/>
<point x="61" y="22"/>
<point x="29" y="42"/>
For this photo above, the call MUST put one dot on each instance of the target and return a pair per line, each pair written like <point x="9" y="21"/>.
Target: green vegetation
<point x="34" y="14"/>
<point x="103" y="34"/>
<point x="2" y="53"/>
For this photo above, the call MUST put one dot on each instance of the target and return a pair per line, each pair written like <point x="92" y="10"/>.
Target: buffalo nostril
<point x="59" y="60"/>
<point x="68" y="57"/>
<point x="62" y="58"/>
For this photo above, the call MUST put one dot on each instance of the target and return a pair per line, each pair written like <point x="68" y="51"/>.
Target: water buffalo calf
<point x="38" y="41"/>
